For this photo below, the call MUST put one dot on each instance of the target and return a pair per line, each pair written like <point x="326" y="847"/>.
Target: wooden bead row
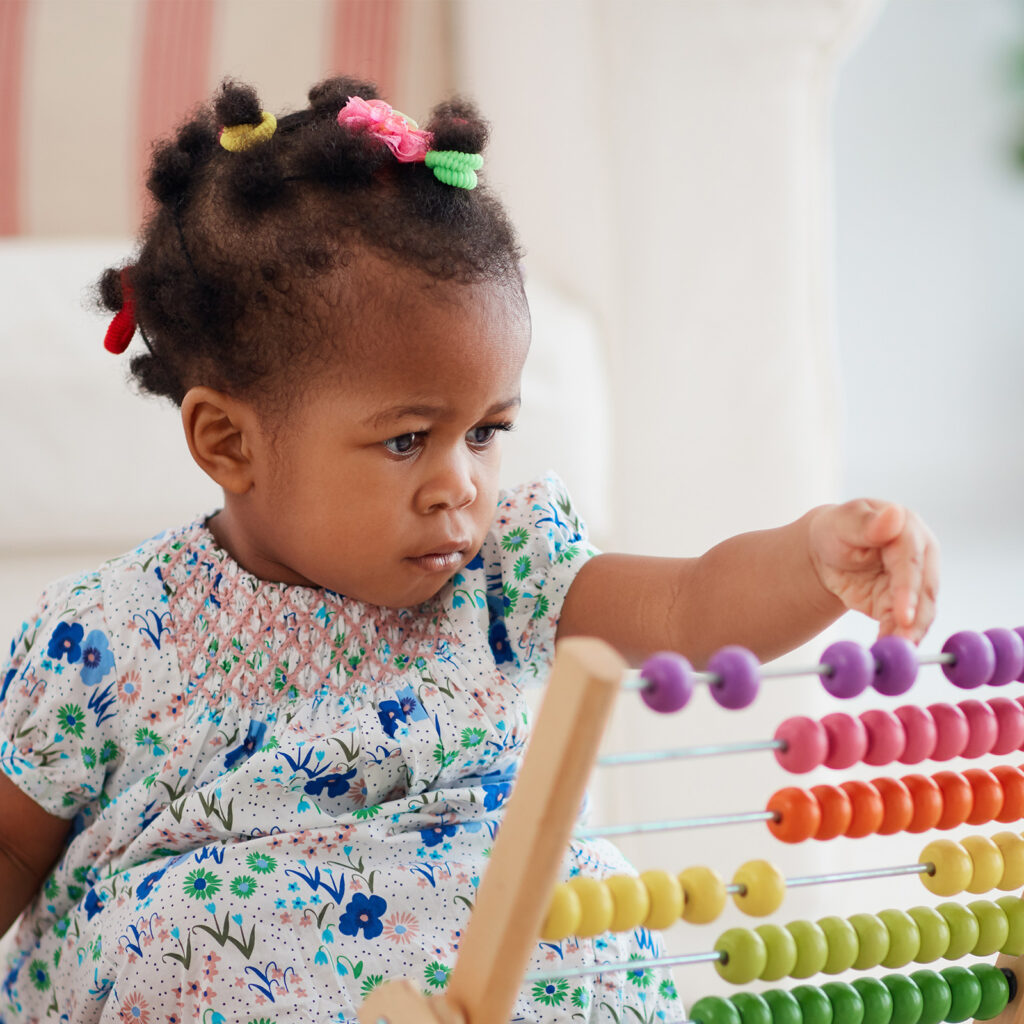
<point x="891" y="938"/>
<point x="913" y="803"/>
<point x="954" y="994"/>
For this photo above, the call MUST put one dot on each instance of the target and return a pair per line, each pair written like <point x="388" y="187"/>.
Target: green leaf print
<point x="473" y="737"/>
<point x="515" y="539"/>
<point x="667" y="990"/>
<point x="443" y="759"/>
<point x="522" y="567"/>
<point x="370" y="982"/>
<point x="640" y="977"/>
<point x="436" y="974"/>
<point x="551" y="993"/>
<point x="244" y="886"/>
<point x="72" y="719"/>
<point x="580" y="997"/>
<point x="201" y="884"/>
<point x="108" y="752"/>
<point x="366" y="812"/>
<point x="511" y="595"/>
<point x="261" y="863"/>
<point x="541" y="607"/>
<point x="39" y="974"/>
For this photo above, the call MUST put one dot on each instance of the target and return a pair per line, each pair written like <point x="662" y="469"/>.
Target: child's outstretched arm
<point x="31" y="840"/>
<point x="769" y="591"/>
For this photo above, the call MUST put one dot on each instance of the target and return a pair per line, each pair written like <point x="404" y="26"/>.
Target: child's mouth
<point x="439" y="561"/>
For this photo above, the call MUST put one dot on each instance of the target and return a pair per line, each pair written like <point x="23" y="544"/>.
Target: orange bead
<point x="927" y="798"/>
<point x="1012" y="781"/>
<point x="957" y="799"/>
<point x="986" y="796"/>
<point x="836" y="811"/>
<point x="797" y="812"/>
<point x="868" y="809"/>
<point x="897" y="804"/>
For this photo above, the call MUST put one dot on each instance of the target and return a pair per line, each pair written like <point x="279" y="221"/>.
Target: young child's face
<point x="385" y="481"/>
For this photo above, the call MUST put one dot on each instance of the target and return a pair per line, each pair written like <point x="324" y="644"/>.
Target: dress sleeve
<point x="56" y="692"/>
<point x="537" y="545"/>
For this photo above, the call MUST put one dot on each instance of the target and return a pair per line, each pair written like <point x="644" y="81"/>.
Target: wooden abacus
<point x="520" y="901"/>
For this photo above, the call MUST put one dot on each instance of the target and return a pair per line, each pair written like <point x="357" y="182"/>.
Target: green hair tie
<point x="454" y="168"/>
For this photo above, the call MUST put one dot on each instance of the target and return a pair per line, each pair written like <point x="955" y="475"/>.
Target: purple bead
<point x="1009" y="648"/>
<point x="668" y="679"/>
<point x="1020" y="632"/>
<point x="739" y="677"/>
<point x="975" y="659"/>
<point x="895" y="665"/>
<point x="852" y="669"/>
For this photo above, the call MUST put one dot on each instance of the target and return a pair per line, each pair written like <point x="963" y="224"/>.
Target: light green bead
<point x="904" y="938"/>
<point x="873" y="939"/>
<point x="994" y="928"/>
<point x="963" y="929"/>
<point x="781" y="947"/>
<point x="811" y="948"/>
<point x="746" y="955"/>
<point x="1013" y="908"/>
<point x="843" y="944"/>
<point x="934" y="933"/>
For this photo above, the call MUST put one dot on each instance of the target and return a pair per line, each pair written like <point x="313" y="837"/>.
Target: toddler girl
<point x="254" y="767"/>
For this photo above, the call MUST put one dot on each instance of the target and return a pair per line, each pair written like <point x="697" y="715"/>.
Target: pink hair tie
<point x="399" y="133"/>
<point x="122" y="327"/>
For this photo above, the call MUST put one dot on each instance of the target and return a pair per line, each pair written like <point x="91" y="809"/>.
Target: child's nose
<point x="450" y="484"/>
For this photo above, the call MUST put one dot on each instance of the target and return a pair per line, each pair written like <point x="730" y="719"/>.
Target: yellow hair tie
<point x="237" y="137"/>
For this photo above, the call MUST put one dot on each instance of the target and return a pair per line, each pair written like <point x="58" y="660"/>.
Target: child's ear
<point x="221" y="431"/>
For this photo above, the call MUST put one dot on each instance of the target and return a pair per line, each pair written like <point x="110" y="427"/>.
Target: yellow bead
<point x="986" y="863"/>
<point x="596" y="907"/>
<point x="564" y="913"/>
<point x="764" y="888"/>
<point x="666" y="899"/>
<point x="632" y="902"/>
<point x="953" y="867"/>
<point x="1011" y="846"/>
<point x="703" y="895"/>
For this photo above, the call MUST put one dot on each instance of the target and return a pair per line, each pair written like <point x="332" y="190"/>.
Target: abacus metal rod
<point x="629" y="965"/>
<point x="679" y="753"/>
<point x="647" y="827"/>
<point x="854" y="876"/>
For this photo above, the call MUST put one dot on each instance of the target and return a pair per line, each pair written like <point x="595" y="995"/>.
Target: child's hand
<point x="879" y="559"/>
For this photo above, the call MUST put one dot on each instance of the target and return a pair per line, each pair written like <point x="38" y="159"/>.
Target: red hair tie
<point x="122" y="327"/>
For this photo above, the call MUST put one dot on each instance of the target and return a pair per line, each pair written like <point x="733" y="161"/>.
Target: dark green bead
<point x="753" y="1009"/>
<point x="936" y="994"/>
<point x="847" y="1005"/>
<point x="995" y="991"/>
<point x="785" y="1009"/>
<point x="907" y="1001"/>
<point x="814" y="1004"/>
<point x="966" y="990"/>
<point x="714" y="1010"/>
<point x="876" y="999"/>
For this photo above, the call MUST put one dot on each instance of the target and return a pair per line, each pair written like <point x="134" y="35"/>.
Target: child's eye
<point x="404" y="444"/>
<point x="481" y="437"/>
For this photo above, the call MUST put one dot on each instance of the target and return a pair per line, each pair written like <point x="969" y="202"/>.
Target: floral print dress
<point x="281" y="797"/>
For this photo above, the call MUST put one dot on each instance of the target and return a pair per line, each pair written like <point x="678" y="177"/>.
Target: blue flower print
<point x="437" y="834"/>
<point x="390" y="714"/>
<point x="252" y="742"/>
<point x="66" y="642"/>
<point x="476" y="562"/>
<point x="410" y="704"/>
<point x="146" y="886"/>
<point x="11" y="673"/>
<point x="97" y="658"/>
<point x="363" y="912"/>
<point x="500" y="646"/>
<point x="336" y="784"/>
<point x="496" y="794"/>
<point x="93" y="904"/>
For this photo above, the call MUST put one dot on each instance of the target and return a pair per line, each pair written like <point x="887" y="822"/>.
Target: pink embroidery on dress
<point x="237" y="635"/>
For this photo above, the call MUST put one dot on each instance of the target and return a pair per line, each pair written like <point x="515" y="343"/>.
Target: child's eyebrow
<point x="398" y="412"/>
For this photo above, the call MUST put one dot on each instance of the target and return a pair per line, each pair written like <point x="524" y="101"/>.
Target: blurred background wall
<point x="792" y="228"/>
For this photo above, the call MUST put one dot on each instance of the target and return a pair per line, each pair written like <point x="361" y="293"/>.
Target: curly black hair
<point x="244" y="248"/>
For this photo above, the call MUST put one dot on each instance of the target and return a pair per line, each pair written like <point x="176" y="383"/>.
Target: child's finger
<point x="868" y="524"/>
<point x="912" y="563"/>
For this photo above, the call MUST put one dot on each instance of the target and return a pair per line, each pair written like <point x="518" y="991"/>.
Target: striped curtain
<point x="86" y="86"/>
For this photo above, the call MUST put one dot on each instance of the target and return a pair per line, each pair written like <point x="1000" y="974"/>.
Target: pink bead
<point x="921" y="733"/>
<point x="847" y="740"/>
<point x="1009" y="648"/>
<point x="886" y="738"/>
<point x="806" y="744"/>
<point x="1010" y="722"/>
<point x="982" y="728"/>
<point x="952" y="732"/>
